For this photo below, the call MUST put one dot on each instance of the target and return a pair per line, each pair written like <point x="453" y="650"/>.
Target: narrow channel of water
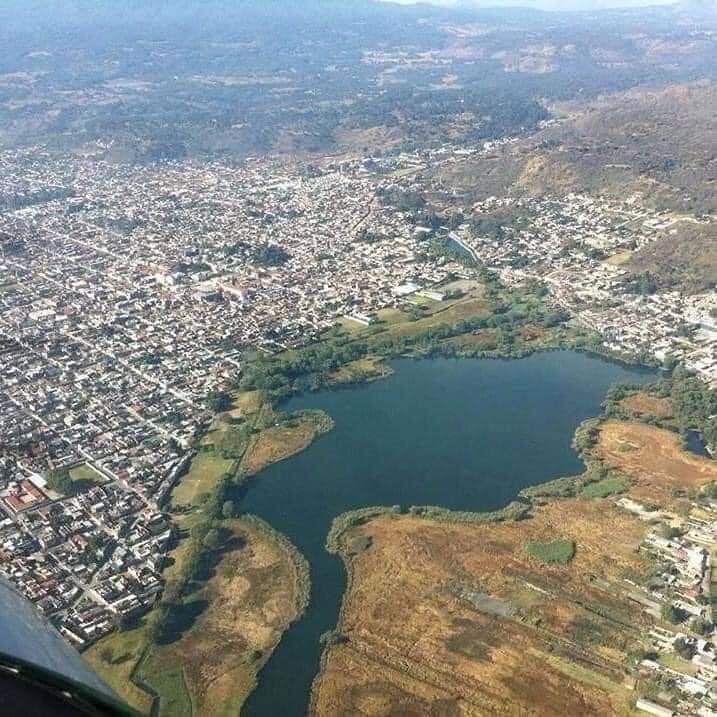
<point x="464" y="434"/>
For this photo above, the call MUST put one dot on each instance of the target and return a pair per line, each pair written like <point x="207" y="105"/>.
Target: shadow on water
<point x="462" y="434"/>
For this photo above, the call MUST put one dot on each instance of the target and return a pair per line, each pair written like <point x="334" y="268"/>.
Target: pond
<point x="696" y="445"/>
<point x="466" y="434"/>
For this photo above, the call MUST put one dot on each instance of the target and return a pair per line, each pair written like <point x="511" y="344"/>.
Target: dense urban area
<point x="136" y="297"/>
<point x="130" y="295"/>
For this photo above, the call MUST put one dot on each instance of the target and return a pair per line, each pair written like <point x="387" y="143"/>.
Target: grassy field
<point x="406" y="616"/>
<point x="411" y="605"/>
<point x="606" y="487"/>
<point x="86" y="474"/>
<point x="554" y="551"/>
<point x="643" y="404"/>
<point x="230" y="622"/>
<point x="437" y="314"/>
<point x="203" y="475"/>
<point x="254" y="591"/>
<point x="252" y="594"/>
<point x="114" y="659"/>
<point x="397" y="322"/>
<point x="278" y="442"/>
<point x="246" y="406"/>
<point x="655" y="459"/>
<point x="368" y="368"/>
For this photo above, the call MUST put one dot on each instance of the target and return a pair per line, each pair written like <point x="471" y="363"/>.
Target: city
<point x="130" y="295"/>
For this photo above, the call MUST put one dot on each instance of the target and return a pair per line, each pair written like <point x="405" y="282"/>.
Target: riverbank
<point x="256" y="585"/>
<point x="254" y="433"/>
<point x="437" y="433"/>
<point x="230" y="581"/>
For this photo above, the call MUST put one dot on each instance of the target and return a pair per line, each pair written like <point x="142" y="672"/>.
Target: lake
<point x="466" y="434"/>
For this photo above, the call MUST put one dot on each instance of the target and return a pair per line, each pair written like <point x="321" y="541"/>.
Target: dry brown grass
<point x="414" y="647"/>
<point x="486" y="339"/>
<point x="643" y="404"/>
<point x="653" y="456"/>
<point x="373" y="366"/>
<point x="275" y="444"/>
<point x="444" y="313"/>
<point x="251" y="598"/>
<point x="361" y="141"/>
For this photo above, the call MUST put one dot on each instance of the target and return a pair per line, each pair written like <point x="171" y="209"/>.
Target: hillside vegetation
<point x="653" y="145"/>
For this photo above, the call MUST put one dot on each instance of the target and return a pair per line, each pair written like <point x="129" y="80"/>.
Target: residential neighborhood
<point x="129" y="293"/>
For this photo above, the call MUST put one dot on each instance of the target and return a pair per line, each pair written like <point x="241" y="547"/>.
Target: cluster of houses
<point x="575" y="246"/>
<point x="129" y="293"/>
<point x="87" y="562"/>
<point x="683" y="658"/>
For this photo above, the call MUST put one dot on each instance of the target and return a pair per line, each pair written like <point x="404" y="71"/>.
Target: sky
<point x="539" y="4"/>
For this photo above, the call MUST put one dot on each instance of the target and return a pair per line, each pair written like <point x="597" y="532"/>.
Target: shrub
<point x="60" y="482"/>
<point x="672" y="614"/>
<point x="684" y="648"/>
<point x="700" y="626"/>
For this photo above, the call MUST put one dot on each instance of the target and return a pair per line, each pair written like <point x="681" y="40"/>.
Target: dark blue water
<point x="696" y="445"/>
<point x="464" y="434"/>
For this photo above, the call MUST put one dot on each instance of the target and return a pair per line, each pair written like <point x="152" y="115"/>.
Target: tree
<point x="199" y="530"/>
<point x="156" y="623"/>
<point x="669" y="363"/>
<point x="270" y="255"/>
<point x="684" y="648"/>
<point x="669" y="531"/>
<point x="60" y="482"/>
<point x="644" y="284"/>
<point x="700" y="626"/>
<point x="228" y="509"/>
<point x="672" y="614"/>
<point x="219" y="401"/>
<point x="213" y="539"/>
<point x="125" y="622"/>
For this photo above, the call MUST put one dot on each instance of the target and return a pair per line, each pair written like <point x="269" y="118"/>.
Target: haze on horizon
<point x="548" y="5"/>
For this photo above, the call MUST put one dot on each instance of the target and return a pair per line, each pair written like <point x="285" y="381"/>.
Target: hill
<point x="652" y="146"/>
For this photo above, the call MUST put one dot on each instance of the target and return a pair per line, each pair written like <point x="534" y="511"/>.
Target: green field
<point x="203" y="475"/>
<point x="605" y="488"/>
<point x="114" y="659"/>
<point x="555" y="551"/>
<point x="86" y="474"/>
